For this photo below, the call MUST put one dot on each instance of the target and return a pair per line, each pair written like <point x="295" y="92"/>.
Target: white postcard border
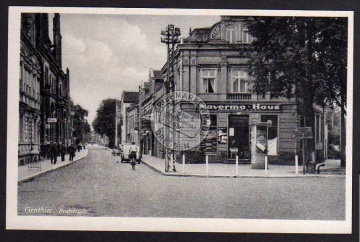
<point x="13" y="221"/>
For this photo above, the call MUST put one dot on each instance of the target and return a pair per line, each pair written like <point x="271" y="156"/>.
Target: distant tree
<point x="300" y="57"/>
<point x="104" y="123"/>
<point x="80" y="124"/>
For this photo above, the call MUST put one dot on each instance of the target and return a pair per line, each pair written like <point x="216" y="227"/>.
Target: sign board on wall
<point x="303" y="133"/>
<point x="231" y="131"/>
<point x="52" y="120"/>
<point x="243" y="107"/>
<point x="222" y="135"/>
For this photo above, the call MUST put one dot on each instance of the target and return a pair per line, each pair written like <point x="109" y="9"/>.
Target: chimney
<point x="57" y="39"/>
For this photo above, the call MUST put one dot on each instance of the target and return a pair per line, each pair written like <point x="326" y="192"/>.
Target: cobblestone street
<point x="102" y="186"/>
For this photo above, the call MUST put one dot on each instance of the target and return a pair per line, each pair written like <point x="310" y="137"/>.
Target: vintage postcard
<point x="180" y="120"/>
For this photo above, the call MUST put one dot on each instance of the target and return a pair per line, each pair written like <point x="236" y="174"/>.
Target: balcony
<point x="238" y="96"/>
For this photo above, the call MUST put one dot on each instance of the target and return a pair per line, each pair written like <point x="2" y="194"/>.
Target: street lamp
<point x="72" y="113"/>
<point x="170" y="36"/>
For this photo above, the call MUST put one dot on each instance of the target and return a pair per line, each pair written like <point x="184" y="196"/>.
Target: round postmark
<point x="180" y="121"/>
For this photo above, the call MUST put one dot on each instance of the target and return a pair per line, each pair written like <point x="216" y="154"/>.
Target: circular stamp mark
<point x="180" y="121"/>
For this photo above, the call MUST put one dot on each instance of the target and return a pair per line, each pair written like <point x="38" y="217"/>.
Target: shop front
<point x="231" y="134"/>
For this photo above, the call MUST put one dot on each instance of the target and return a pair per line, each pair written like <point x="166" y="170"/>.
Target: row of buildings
<point x="44" y="88"/>
<point x="208" y="63"/>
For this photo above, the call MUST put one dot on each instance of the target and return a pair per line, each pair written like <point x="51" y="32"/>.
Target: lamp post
<point x="170" y="36"/>
<point x="72" y="113"/>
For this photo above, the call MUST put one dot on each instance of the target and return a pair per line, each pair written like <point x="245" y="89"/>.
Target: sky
<point x="107" y="54"/>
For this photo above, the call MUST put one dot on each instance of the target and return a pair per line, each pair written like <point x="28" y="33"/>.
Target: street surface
<point x="99" y="185"/>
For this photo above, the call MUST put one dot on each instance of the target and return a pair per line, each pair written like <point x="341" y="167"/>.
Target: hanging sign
<point x="303" y="133"/>
<point x="52" y="120"/>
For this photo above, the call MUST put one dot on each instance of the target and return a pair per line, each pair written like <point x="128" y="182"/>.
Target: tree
<point x="104" y="123"/>
<point x="80" y="124"/>
<point x="302" y="57"/>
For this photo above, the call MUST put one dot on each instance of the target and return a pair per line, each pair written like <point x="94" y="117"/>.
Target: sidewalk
<point x="25" y="173"/>
<point x="332" y="168"/>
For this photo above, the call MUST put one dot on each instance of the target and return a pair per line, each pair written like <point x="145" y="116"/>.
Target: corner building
<point x="209" y="64"/>
<point x="44" y="108"/>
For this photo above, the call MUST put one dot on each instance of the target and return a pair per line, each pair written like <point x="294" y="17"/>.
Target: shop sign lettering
<point x="244" y="107"/>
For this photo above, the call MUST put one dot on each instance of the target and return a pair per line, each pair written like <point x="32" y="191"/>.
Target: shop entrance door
<point x="239" y="138"/>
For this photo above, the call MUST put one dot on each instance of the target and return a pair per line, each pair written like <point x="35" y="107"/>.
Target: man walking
<point x="53" y="153"/>
<point x="71" y="151"/>
<point x="62" y="152"/>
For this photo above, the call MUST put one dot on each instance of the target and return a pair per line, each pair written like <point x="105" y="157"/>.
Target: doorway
<point x="239" y="138"/>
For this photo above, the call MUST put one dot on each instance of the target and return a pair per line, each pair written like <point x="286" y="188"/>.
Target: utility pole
<point x="170" y="36"/>
<point x="116" y="125"/>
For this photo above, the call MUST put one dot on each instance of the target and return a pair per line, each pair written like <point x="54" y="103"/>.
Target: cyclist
<point x="132" y="154"/>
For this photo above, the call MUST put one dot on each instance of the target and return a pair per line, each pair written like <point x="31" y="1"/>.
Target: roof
<point x="146" y="85"/>
<point x="130" y="97"/>
<point x="199" y="35"/>
<point x="158" y="74"/>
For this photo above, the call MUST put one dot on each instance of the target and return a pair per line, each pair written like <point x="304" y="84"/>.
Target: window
<point x="273" y="129"/>
<point x="47" y="83"/>
<point x="208" y="78"/>
<point x="231" y="33"/>
<point x="239" y="81"/>
<point x="272" y="140"/>
<point x="246" y="37"/>
<point x="318" y="129"/>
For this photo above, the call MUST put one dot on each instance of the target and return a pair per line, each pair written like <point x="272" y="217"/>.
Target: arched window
<point x="231" y="33"/>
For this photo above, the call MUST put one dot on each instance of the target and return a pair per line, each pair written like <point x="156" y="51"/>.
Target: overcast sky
<point x="107" y="54"/>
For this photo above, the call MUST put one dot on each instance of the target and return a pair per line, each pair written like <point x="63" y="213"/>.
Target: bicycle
<point x="133" y="159"/>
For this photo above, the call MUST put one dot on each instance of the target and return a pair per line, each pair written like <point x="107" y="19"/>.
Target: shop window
<point x="231" y="33"/>
<point x="239" y="79"/>
<point x="208" y="77"/>
<point x="272" y="132"/>
<point x="209" y="144"/>
<point x="273" y="129"/>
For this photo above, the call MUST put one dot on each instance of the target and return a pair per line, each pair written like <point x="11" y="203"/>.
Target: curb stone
<point x="51" y="170"/>
<point x="239" y="176"/>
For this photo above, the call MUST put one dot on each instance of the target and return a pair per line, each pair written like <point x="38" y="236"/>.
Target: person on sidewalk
<point x="62" y="151"/>
<point x="47" y="147"/>
<point x="71" y="150"/>
<point x="53" y="153"/>
<point x="132" y="154"/>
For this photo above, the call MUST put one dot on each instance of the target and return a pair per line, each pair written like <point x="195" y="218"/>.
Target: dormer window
<point x="231" y="33"/>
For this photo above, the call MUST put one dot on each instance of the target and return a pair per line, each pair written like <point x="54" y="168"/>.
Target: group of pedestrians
<point x="59" y="149"/>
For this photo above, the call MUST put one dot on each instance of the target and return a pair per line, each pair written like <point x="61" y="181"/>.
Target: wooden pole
<point x="237" y="166"/>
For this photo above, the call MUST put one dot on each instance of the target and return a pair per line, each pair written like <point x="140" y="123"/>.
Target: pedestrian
<point x="62" y="152"/>
<point x="83" y="145"/>
<point x="53" y="153"/>
<point x="71" y="151"/>
<point x="47" y="150"/>
<point x="78" y="147"/>
<point x="132" y="154"/>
